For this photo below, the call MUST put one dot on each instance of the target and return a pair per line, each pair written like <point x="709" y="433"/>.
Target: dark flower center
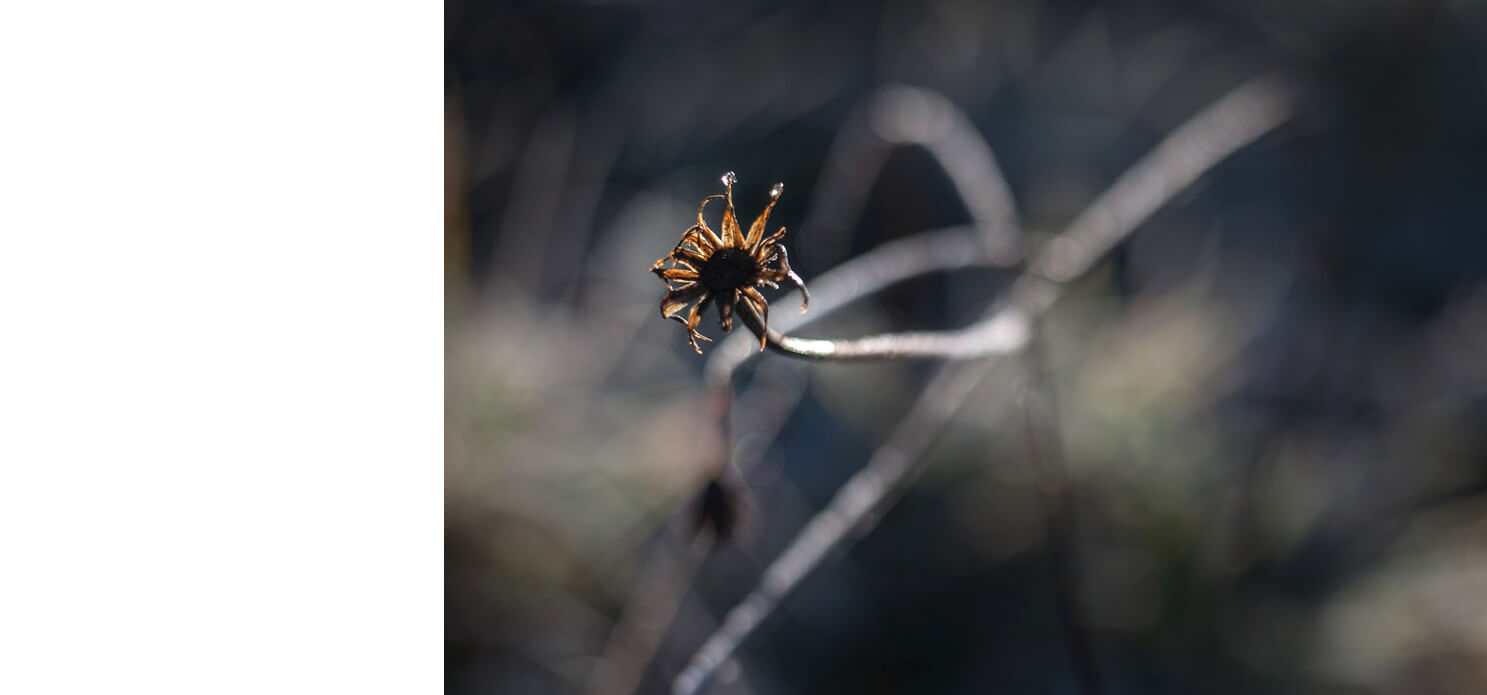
<point x="728" y="269"/>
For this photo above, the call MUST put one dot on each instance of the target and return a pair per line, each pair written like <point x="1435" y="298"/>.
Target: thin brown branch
<point x="1233" y="121"/>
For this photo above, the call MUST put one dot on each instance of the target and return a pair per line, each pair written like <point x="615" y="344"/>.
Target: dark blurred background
<point x="1272" y="398"/>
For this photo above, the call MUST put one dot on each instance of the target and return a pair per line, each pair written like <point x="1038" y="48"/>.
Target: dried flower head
<point x="727" y="270"/>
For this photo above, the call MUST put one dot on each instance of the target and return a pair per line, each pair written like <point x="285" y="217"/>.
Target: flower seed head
<point x="725" y="269"/>
<point x="728" y="269"/>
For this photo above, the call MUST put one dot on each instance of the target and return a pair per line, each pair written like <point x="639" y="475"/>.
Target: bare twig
<point x="852" y="164"/>
<point x="950" y="248"/>
<point x="901" y="115"/>
<point x="911" y="115"/>
<point x="1236" y="119"/>
<point x="1233" y="121"/>
<point x="1002" y="333"/>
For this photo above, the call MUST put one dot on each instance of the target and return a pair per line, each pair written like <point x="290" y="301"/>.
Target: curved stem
<point x="1004" y="332"/>
<point x="940" y="250"/>
<point x="1233" y="121"/>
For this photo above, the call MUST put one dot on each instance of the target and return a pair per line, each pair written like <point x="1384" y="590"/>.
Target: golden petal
<point x="692" y="319"/>
<point x="696" y="260"/>
<point x="761" y="309"/>
<point x="732" y="235"/>
<point x="725" y="311"/>
<point x="756" y="230"/>
<point x="677" y="299"/>
<point x="773" y="239"/>
<point x="678" y="274"/>
<point x="709" y="240"/>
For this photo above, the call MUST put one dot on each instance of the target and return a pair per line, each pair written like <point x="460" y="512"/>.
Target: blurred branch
<point x="907" y="115"/>
<point x="854" y="508"/>
<point x="659" y="590"/>
<point x="900" y="115"/>
<point x="1233" y="121"/>
<point x="540" y="178"/>
<point x="776" y="389"/>
<point x="1060" y="522"/>
<point x="920" y="116"/>
<point x="1236" y="119"/>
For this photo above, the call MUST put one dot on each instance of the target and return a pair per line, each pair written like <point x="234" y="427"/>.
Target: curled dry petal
<point x="726" y="269"/>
